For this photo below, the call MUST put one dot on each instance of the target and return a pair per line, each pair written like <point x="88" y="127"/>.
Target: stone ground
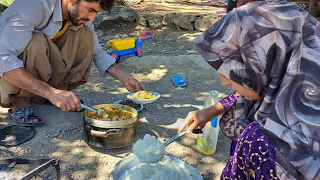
<point x="170" y="52"/>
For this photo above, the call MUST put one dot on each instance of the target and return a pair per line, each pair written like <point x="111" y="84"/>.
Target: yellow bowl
<point x="121" y="44"/>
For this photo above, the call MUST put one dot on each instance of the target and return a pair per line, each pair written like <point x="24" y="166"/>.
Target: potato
<point x="104" y="116"/>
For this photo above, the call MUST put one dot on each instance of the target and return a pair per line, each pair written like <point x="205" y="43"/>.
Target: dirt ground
<point x="170" y="53"/>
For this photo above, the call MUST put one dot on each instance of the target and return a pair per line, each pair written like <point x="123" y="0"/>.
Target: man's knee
<point x="36" y="57"/>
<point x="38" y="41"/>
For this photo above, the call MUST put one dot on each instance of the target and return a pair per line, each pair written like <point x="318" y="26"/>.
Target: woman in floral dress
<point x="269" y="52"/>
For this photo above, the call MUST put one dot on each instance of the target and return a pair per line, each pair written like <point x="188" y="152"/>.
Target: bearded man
<point x="46" y="50"/>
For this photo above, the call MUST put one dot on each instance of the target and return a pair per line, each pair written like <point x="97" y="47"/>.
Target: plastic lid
<point x="214" y="93"/>
<point x="214" y="122"/>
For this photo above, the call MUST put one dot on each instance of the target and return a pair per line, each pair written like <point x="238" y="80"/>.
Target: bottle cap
<point x="214" y="122"/>
<point x="214" y="93"/>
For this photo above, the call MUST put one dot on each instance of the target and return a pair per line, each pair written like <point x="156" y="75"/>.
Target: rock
<point x="183" y="21"/>
<point x="128" y="14"/>
<point x="117" y="13"/>
<point x="99" y="33"/>
<point x="167" y="22"/>
<point x="131" y="2"/>
<point x="100" y="18"/>
<point x="142" y="20"/>
<point x="204" y="22"/>
<point x="118" y="2"/>
<point x="148" y="18"/>
<point x="124" y="36"/>
<point x="155" y="20"/>
<point x="155" y="1"/>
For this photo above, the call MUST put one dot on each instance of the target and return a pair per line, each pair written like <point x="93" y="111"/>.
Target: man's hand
<point x="65" y="100"/>
<point x="133" y="85"/>
<point x="126" y="79"/>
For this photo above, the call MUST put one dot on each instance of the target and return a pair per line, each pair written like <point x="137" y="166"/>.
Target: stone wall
<point x="188" y="22"/>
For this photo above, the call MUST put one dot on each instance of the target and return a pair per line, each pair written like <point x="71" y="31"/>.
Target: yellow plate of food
<point x="143" y="97"/>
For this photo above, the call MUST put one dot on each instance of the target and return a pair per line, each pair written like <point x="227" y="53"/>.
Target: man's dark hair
<point x="104" y="4"/>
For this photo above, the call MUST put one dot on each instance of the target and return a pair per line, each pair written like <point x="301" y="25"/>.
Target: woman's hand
<point x="195" y="119"/>
<point x="198" y="119"/>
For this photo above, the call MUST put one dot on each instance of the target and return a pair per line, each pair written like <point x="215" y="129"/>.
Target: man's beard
<point x="73" y="14"/>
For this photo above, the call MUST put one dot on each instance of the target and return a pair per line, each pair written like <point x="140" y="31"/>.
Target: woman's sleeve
<point x="229" y="100"/>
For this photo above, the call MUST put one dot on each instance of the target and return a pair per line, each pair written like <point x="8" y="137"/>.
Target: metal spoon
<point x="195" y="131"/>
<point x="99" y="111"/>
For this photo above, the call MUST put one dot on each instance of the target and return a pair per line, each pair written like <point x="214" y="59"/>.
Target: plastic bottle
<point x="207" y="142"/>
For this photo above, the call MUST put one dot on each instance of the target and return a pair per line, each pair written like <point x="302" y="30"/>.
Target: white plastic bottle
<point x="207" y="141"/>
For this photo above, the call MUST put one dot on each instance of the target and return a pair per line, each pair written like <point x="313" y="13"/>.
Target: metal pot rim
<point x="194" y="171"/>
<point x="112" y="124"/>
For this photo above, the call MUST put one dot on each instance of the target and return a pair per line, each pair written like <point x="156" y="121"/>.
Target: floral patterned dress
<point x="272" y="48"/>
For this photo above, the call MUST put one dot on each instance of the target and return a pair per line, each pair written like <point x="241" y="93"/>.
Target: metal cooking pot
<point x="110" y="134"/>
<point x="119" y="170"/>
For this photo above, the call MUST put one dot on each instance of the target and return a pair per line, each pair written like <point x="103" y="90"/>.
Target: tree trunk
<point x="313" y="8"/>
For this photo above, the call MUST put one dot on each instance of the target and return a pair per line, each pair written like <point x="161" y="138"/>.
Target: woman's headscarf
<point x="274" y="49"/>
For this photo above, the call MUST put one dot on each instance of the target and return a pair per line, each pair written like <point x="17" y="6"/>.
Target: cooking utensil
<point x="101" y="135"/>
<point x="174" y="138"/>
<point x="119" y="170"/>
<point x="99" y="111"/>
<point x="111" y="124"/>
<point x="195" y="131"/>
